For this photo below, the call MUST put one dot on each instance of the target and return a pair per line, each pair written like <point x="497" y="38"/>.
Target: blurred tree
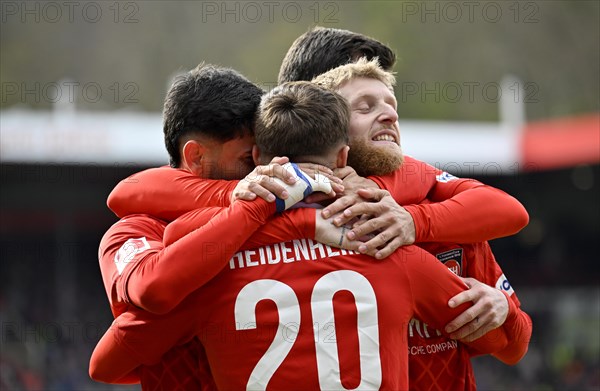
<point x="451" y="54"/>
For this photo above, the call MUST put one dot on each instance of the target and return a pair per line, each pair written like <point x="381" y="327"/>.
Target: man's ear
<point x="256" y="155"/>
<point x="342" y="157"/>
<point x="191" y="156"/>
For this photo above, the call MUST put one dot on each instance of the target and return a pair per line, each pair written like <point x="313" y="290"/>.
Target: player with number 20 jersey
<point x="285" y="307"/>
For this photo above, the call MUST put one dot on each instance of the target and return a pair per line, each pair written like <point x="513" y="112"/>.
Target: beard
<point x="369" y="160"/>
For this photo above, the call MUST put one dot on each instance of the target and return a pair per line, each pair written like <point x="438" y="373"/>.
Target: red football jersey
<point x="437" y="362"/>
<point x="411" y="184"/>
<point x="465" y="210"/>
<point x="134" y="262"/>
<point x="276" y="316"/>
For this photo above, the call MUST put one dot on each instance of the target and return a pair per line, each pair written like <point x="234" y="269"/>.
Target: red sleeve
<point x="128" y="242"/>
<point x="137" y="338"/>
<point x="165" y="278"/>
<point x="432" y="285"/>
<point x="113" y="363"/>
<point x="292" y="224"/>
<point x="517" y="326"/>
<point x="167" y="193"/>
<point x="463" y="210"/>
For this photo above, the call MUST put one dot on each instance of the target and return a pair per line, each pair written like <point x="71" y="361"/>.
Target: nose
<point x="388" y="114"/>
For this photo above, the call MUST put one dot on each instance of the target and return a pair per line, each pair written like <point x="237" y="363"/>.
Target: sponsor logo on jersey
<point x="445" y="177"/>
<point x="453" y="259"/>
<point x="504" y="285"/>
<point x="129" y="250"/>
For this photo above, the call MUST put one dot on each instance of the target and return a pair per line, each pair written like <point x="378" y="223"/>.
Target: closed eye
<point x="363" y="108"/>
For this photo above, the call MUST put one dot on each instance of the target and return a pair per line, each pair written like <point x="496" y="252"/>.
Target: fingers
<point x="260" y="183"/>
<point x="268" y="195"/>
<point x="373" y="225"/>
<point x="373" y="206"/>
<point x="332" y="178"/>
<point x="477" y="328"/>
<point x="327" y="233"/>
<point x="271" y="171"/>
<point x="338" y="205"/>
<point x="311" y="169"/>
<point x="257" y="184"/>
<point x="489" y="311"/>
<point x="372" y="194"/>
<point x="344" y="172"/>
<point x="464" y="325"/>
<point x="245" y="195"/>
<point x="384" y="250"/>
<point x="338" y="188"/>
<point x="461" y="298"/>
<point x="470" y="282"/>
<point x="359" y="209"/>
<point x="319" y="196"/>
<point x="279" y="160"/>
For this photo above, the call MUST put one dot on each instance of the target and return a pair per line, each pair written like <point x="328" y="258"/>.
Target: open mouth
<point x="385" y="137"/>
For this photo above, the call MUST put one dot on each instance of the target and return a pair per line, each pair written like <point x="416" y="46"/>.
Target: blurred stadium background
<point x="507" y="92"/>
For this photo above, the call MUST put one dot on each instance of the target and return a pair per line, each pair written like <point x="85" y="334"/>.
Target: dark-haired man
<point x="209" y="118"/>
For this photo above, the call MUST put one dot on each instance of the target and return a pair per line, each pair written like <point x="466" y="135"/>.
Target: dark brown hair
<point x="301" y="119"/>
<point x="321" y="49"/>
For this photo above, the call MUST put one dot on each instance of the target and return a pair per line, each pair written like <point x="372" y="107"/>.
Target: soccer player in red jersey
<point x="369" y="92"/>
<point x="315" y="289"/>
<point x="132" y="253"/>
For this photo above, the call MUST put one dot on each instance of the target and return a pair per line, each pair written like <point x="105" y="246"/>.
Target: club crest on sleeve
<point x="445" y="177"/>
<point x="129" y="250"/>
<point x="453" y="259"/>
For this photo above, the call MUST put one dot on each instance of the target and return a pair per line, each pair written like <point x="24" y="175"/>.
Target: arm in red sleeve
<point x="482" y="265"/>
<point x="518" y="328"/>
<point x="292" y="224"/>
<point x="112" y="363"/>
<point x="432" y="285"/>
<point x="200" y="244"/>
<point x="137" y="338"/>
<point x="473" y="213"/>
<point x="162" y="279"/>
<point x="449" y="209"/>
<point x="167" y="193"/>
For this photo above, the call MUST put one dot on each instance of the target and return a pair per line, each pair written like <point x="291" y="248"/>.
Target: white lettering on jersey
<point x="445" y="177"/>
<point x="128" y="251"/>
<point x="421" y="328"/>
<point x="285" y="252"/>
<point x="504" y="285"/>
